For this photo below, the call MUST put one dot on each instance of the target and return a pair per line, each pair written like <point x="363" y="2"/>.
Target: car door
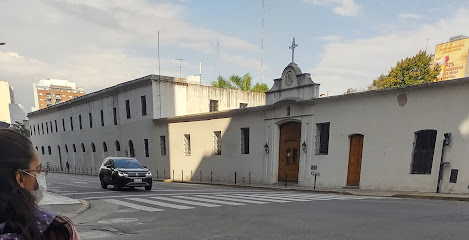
<point x="108" y="170"/>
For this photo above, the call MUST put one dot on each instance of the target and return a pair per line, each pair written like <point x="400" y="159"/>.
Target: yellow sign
<point x="452" y="58"/>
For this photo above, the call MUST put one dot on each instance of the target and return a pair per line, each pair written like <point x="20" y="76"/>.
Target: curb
<point x="400" y="195"/>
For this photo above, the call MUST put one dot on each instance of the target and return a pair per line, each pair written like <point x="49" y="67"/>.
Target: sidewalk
<point x="344" y="191"/>
<point x="66" y="206"/>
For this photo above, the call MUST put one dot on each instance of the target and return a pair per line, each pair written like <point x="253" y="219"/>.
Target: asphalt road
<point x="192" y="211"/>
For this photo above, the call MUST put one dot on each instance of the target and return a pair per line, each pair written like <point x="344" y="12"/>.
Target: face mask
<point x="39" y="192"/>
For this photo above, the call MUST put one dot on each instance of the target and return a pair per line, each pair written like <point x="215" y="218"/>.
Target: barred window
<point x="424" y="147"/>
<point x="244" y="140"/>
<point x="163" y="145"/>
<point x="187" y="144"/>
<point x="217" y="142"/>
<point x="322" y="138"/>
<point x="213" y="105"/>
<point x="147" y="152"/>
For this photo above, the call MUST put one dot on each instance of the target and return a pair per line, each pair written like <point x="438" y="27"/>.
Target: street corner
<point x="66" y="206"/>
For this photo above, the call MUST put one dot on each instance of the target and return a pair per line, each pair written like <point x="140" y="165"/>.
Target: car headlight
<point x="148" y="174"/>
<point x="122" y="174"/>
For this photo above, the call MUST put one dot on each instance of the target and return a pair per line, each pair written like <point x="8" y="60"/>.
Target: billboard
<point x="452" y="57"/>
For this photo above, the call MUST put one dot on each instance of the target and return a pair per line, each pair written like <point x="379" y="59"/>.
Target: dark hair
<point x="17" y="207"/>
<point x="16" y="203"/>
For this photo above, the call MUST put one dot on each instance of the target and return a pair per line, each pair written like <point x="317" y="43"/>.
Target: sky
<point x="99" y="43"/>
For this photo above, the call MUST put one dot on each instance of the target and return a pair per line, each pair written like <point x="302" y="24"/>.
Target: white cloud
<point x="99" y="43"/>
<point x="356" y="63"/>
<point x="329" y="38"/>
<point x="405" y="16"/>
<point x="345" y="7"/>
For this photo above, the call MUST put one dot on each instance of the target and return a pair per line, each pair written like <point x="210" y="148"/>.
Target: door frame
<point x="278" y="155"/>
<point x="359" y="167"/>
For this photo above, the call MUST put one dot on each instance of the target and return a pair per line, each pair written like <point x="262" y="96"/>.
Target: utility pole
<point x="159" y="66"/>
<point x="180" y="65"/>
<point x="262" y="41"/>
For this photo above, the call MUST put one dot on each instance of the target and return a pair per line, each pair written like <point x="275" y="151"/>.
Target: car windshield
<point x="127" y="163"/>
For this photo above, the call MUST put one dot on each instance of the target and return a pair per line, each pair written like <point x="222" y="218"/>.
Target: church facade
<point x="410" y="139"/>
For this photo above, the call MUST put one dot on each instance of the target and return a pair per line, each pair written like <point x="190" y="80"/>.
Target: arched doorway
<point x="355" y="160"/>
<point x="289" y="151"/>
<point x="131" y="149"/>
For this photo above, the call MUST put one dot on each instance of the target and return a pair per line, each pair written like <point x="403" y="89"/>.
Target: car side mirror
<point x="144" y="166"/>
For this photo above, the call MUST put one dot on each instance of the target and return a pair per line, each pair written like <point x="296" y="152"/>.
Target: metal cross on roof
<point x="292" y="47"/>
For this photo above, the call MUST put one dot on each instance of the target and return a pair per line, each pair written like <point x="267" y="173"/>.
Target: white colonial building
<point x="388" y="139"/>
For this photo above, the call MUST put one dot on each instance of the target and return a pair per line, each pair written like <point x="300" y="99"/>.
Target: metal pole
<point x="249" y="178"/>
<point x="235" y="177"/>
<point x="314" y="181"/>
<point x="286" y="180"/>
<point x="156" y="173"/>
<point x="182" y="175"/>
<point x="191" y="175"/>
<point x="173" y="174"/>
<point x="200" y="176"/>
<point x="211" y="176"/>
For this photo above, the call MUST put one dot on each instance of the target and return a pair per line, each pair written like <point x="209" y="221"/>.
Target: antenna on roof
<point x="159" y="67"/>
<point x="262" y="41"/>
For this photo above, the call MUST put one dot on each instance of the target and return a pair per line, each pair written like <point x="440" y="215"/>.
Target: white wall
<point x="4" y="102"/>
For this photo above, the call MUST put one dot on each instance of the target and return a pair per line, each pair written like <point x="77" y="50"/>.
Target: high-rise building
<point x="48" y="92"/>
<point x="10" y="112"/>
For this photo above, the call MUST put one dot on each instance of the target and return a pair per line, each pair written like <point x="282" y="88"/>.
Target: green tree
<point x="410" y="71"/>
<point x="21" y="128"/>
<point x="260" y="87"/>
<point x="242" y="83"/>
<point x="222" y="83"/>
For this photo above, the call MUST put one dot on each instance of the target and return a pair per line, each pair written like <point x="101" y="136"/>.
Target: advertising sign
<point x="452" y="58"/>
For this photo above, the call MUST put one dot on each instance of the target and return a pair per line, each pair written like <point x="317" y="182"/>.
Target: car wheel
<point x="117" y="187"/>
<point x="103" y="184"/>
<point x="148" y="188"/>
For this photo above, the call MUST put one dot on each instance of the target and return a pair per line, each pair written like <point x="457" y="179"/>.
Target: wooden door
<point x="289" y="151"/>
<point x="355" y="160"/>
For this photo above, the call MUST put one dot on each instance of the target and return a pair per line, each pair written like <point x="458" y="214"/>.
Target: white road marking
<point x="209" y="200"/>
<point x="162" y="204"/>
<point x="248" y="196"/>
<point x="132" y="205"/>
<point x="187" y="202"/>
<point x="220" y="197"/>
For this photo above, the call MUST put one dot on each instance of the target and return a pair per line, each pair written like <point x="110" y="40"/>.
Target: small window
<point x="163" y="145"/>
<point x="49" y="150"/>
<point x="93" y="147"/>
<point x="288" y="111"/>
<point x="66" y="148"/>
<point x="322" y="138"/>
<point x="56" y="128"/>
<point x="91" y="119"/>
<point x="143" y="99"/>
<point x="102" y="118"/>
<point x="51" y="127"/>
<point x="127" y="108"/>
<point x="47" y="128"/>
<point x="63" y="124"/>
<point x="243" y="105"/>
<point x="79" y="121"/>
<point x="34" y="129"/>
<point x="187" y="144"/>
<point x="83" y="147"/>
<point x="131" y="149"/>
<point x="114" y="111"/>
<point x="42" y="149"/>
<point x="244" y="140"/>
<point x="217" y="142"/>
<point x="42" y="128"/>
<point x="74" y="148"/>
<point x="147" y="153"/>
<point x="213" y="105"/>
<point x="71" y="123"/>
<point x="453" y="178"/>
<point x="104" y="147"/>
<point x="424" y="147"/>
<point x="118" y="146"/>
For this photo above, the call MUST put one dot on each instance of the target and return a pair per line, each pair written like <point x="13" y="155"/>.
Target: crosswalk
<point x="155" y="203"/>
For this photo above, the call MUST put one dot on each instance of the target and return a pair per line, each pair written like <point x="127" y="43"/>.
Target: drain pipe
<point x="446" y="142"/>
